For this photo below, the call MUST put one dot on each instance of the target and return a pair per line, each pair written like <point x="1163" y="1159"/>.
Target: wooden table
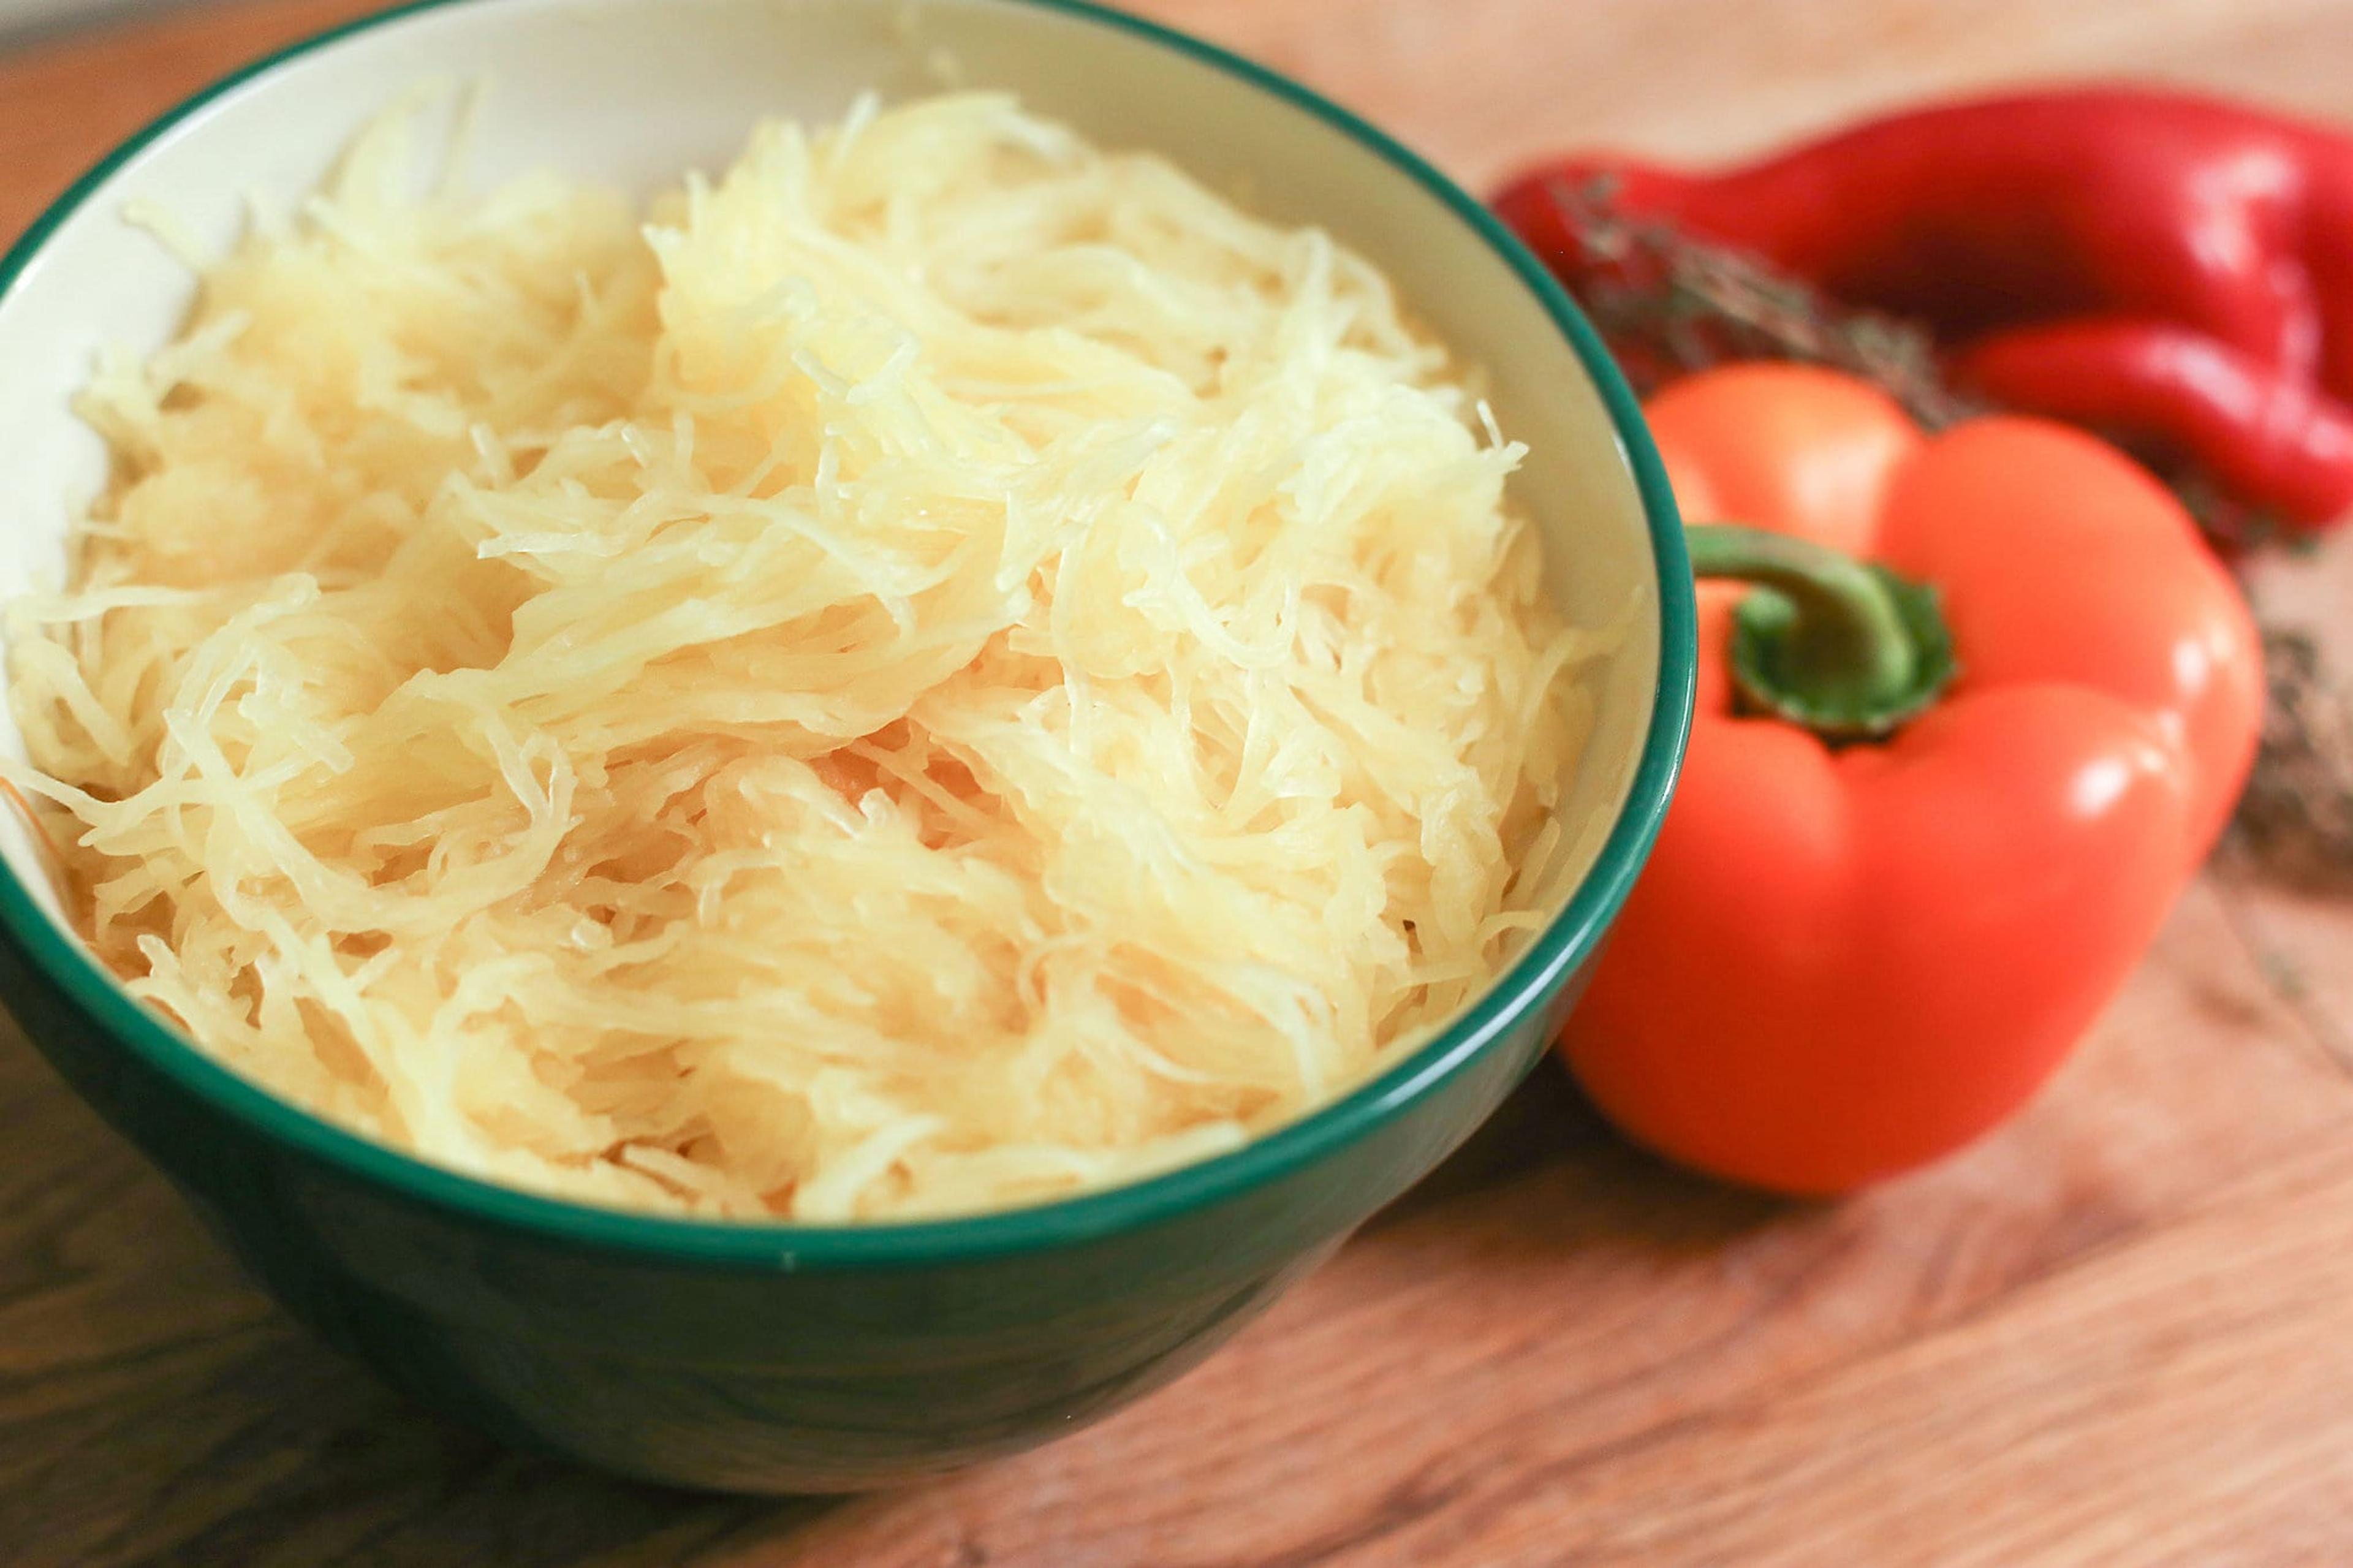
<point x="2121" y="1333"/>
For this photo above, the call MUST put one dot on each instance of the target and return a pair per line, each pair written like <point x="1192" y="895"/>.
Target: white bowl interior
<point x="634" y="92"/>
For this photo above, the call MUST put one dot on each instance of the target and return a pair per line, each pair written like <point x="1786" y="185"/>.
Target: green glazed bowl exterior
<point x="776" y="1358"/>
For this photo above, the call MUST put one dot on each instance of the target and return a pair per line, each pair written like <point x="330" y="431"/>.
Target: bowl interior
<point x="634" y="92"/>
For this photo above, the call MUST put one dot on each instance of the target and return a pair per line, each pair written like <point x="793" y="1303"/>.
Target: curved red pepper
<point x="2174" y="271"/>
<point x="1843" y="962"/>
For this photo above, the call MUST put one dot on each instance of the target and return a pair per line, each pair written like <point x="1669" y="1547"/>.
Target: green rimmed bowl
<point x="777" y="1358"/>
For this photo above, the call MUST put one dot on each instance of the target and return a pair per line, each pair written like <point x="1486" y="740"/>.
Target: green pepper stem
<point x="1845" y="648"/>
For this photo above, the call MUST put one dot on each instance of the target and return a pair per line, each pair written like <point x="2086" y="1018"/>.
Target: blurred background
<point x="20" y="18"/>
<point x="1679" y="78"/>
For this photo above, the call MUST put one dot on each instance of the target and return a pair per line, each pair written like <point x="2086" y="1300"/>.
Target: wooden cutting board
<point x="2121" y="1333"/>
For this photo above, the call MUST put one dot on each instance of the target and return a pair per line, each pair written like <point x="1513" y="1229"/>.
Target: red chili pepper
<point x="2174" y="271"/>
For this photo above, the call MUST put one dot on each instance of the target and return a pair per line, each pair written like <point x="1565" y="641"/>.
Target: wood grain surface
<point x="2119" y="1333"/>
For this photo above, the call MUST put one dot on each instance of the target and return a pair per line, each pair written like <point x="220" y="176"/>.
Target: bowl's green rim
<point x="1569" y="939"/>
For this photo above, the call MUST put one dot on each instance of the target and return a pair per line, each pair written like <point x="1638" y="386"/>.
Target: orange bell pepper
<point x="1887" y="900"/>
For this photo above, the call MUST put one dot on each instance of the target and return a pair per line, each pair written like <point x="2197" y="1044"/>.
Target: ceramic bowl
<point x="769" y="1357"/>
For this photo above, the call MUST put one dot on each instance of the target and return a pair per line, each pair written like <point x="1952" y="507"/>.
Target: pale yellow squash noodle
<point x="946" y="668"/>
